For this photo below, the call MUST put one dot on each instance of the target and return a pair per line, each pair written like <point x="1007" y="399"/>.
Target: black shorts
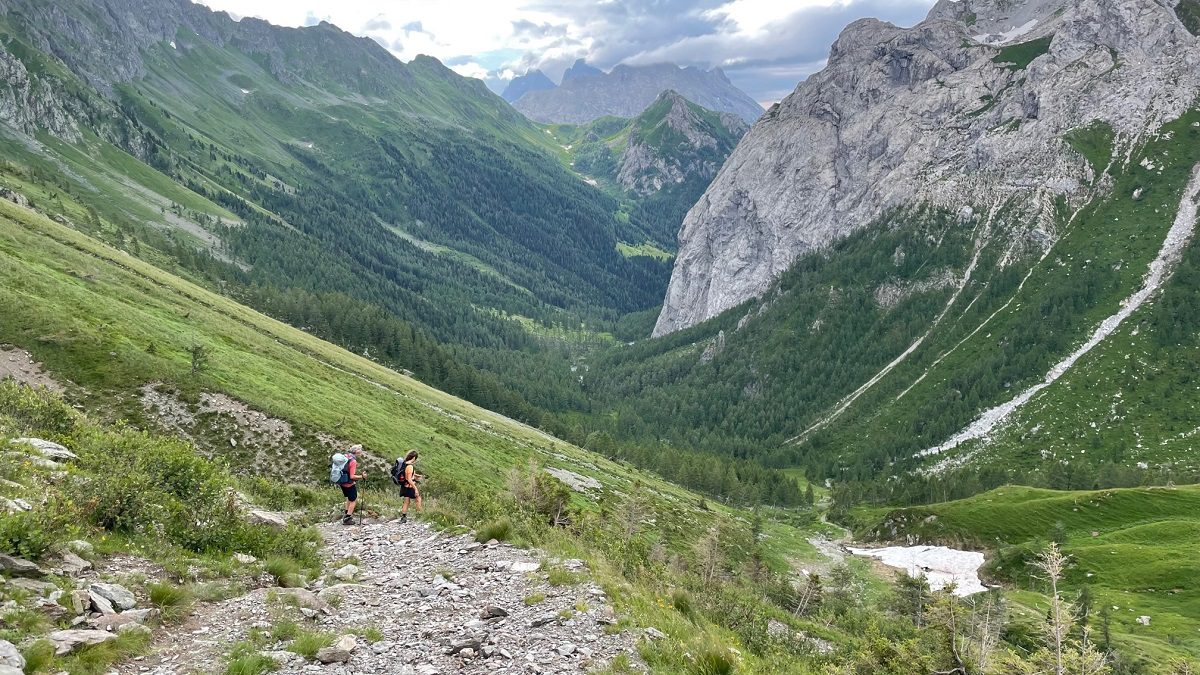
<point x="410" y="492"/>
<point x="351" y="492"/>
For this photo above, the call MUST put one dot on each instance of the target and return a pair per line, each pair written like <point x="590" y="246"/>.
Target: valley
<point x="698" y="388"/>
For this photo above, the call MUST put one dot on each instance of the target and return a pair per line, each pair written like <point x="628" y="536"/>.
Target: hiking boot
<point x="403" y="518"/>
<point x="347" y="519"/>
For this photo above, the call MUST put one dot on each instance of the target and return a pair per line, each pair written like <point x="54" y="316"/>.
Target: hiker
<point x="345" y="473"/>
<point x="405" y="475"/>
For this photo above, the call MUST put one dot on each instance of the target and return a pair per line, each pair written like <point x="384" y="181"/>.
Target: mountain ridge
<point x="626" y="91"/>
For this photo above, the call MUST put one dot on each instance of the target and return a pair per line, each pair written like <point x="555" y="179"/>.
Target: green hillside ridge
<point x="1135" y="549"/>
<point x="595" y="150"/>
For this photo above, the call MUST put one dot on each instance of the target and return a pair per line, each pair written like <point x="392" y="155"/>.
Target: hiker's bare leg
<point x="350" y="507"/>
<point x="418" y="501"/>
<point x="404" y="507"/>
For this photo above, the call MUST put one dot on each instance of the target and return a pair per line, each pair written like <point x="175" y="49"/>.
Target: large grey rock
<point x="70" y="641"/>
<point x="100" y="604"/>
<point x="71" y="564"/>
<point x="115" y="622"/>
<point x="267" y="518"/>
<point x="927" y="115"/>
<point x="120" y="597"/>
<point x="10" y="656"/>
<point x="48" y="449"/>
<point x="19" y="567"/>
<point x="305" y="598"/>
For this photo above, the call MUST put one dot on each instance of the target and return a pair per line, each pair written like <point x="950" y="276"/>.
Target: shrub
<point x="37" y="411"/>
<point x="38" y="656"/>
<point x="284" y="630"/>
<point x="500" y="530"/>
<point x="285" y="570"/>
<point x="246" y="660"/>
<point x="30" y="534"/>
<point x="713" y="660"/>
<point x="558" y="576"/>
<point x="308" y="643"/>
<point x="175" y="602"/>
<point x="531" y="600"/>
<point x="682" y="602"/>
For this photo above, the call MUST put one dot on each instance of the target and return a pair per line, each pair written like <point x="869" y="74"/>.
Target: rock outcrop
<point x="970" y="106"/>
<point x="673" y="141"/>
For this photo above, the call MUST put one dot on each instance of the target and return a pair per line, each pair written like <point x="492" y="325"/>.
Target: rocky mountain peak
<point x="968" y="107"/>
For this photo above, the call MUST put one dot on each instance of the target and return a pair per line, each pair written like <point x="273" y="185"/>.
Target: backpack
<point x="339" y="469"/>
<point x="398" y="471"/>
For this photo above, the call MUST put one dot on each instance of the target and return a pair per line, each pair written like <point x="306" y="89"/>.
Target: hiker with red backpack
<point x="404" y="474"/>
<point x="345" y="472"/>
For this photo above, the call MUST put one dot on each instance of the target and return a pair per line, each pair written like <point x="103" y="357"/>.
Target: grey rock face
<point x="627" y="90"/>
<point x="534" y="80"/>
<point x="930" y="114"/>
<point x="18" y="567"/>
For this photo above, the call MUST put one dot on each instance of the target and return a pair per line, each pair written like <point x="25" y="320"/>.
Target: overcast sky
<point x="765" y="46"/>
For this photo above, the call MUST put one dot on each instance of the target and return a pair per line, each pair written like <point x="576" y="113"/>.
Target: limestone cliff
<point x="969" y="107"/>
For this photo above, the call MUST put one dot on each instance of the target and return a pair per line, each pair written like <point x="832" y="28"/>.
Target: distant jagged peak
<point x="532" y="80"/>
<point x="580" y="69"/>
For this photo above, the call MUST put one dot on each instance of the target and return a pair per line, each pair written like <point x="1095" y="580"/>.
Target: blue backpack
<point x="339" y="469"/>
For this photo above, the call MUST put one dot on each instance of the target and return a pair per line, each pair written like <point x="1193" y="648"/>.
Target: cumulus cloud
<point x="764" y="46"/>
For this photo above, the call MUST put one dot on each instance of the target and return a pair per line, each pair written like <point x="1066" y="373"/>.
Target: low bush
<point x="308" y="643"/>
<point x="32" y="534"/>
<point x="175" y="602"/>
<point x="500" y="530"/>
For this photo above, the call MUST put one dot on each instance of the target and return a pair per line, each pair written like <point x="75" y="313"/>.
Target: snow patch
<point x="1007" y="36"/>
<point x="940" y="565"/>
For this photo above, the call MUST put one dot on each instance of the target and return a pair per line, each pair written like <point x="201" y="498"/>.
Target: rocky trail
<point x="402" y="598"/>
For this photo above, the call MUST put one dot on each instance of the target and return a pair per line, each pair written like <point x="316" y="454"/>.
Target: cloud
<point x="765" y="46"/>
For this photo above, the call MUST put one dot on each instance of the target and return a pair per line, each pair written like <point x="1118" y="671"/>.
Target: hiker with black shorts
<point x="349" y="482"/>
<point x="405" y="475"/>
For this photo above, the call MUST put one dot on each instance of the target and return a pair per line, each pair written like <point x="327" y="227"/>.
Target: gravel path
<point x="440" y="604"/>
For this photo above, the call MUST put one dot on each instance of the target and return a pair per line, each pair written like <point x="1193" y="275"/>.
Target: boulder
<point x="10" y="656"/>
<point x="100" y="604"/>
<point x="334" y="593"/>
<point x="70" y="641"/>
<point x="266" y="518"/>
<point x="80" y="547"/>
<point x="9" y="670"/>
<point x="653" y="633"/>
<point x="117" y="622"/>
<point x="17" y="567"/>
<point x="283" y="657"/>
<point x="338" y="652"/>
<point x="48" y="449"/>
<point x="245" y="560"/>
<point x="71" y="564"/>
<point x="120" y="597"/>
<point x="33" y="586"/>
<point x="525" y="567"/>
<point x="137" y="628"/>
<point x="80" y="601"/>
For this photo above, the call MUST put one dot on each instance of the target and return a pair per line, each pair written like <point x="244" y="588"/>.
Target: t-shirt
<point x="351" y="469"/>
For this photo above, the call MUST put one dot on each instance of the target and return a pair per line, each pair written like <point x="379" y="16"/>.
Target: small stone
<point x="137" y="628"/>
<point x="117" y="622"/>
<point x="245" y="559"/>
<point x="467" y="643"/>
<point x="493" y="612"/>
<point x="346" y="573"/>
<point x="525" y="567"/>
<point x="305" y="599"/>
<point x="120" y="597"/>
<point x="565" y="649"/>
<point x="69" y="641"/>
<point x="283" y="657"/>
<point x="340" y="651"/>
<point x="653" y="633"/>
<point x="467" y="653"/>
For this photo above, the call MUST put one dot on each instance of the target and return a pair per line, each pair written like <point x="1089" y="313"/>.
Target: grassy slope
<point x="1137" y="549"/>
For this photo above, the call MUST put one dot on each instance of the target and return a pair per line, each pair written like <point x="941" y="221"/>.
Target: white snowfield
<point x="940" y="565"/>
<point x="1160" y="270"/>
